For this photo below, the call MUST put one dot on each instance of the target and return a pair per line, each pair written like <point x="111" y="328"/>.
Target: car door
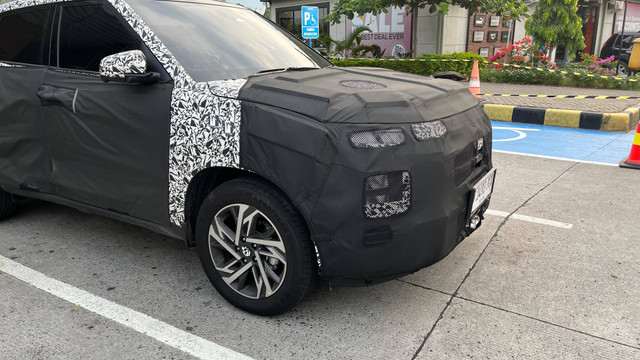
<point x="109" y="142"/>
<point x="24" y="46"/>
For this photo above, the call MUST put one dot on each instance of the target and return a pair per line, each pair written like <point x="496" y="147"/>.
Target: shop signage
<point x="633" y="19"/>
<point x="390" y="31"/>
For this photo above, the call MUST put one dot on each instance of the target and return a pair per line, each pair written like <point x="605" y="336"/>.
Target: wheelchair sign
<point x="310" y="22"/>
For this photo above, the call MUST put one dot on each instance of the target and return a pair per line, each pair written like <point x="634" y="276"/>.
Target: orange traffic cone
<point x="633" y="161"/>
<point x="474" y="82"/>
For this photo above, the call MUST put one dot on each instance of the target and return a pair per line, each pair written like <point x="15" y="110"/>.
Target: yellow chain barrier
<point x="597" y="97"/>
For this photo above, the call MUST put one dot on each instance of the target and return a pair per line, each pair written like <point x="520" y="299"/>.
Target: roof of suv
<point x="206" y="2"/>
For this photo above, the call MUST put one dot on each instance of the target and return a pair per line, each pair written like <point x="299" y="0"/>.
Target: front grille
<point x="467" y="160"/>
<point x="464" y="163"/>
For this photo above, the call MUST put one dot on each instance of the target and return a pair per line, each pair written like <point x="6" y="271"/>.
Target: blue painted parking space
<point x="574" y="144"/>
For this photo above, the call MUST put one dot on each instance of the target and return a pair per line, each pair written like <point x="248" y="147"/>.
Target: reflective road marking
<point x="530" y="219"/>
<point x="135" y="320"/>
<point x="520" y="131"/>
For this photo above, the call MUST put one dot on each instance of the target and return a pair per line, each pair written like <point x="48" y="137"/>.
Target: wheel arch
<point x="206" y="181"/>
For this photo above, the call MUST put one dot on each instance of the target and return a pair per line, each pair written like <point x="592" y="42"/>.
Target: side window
<point x="627" y="41"/>
<point x="24" y="36"/>
<point x="88" y="33"/>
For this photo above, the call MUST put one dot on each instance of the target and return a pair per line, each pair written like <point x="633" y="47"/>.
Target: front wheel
<point x="7" y="205"/>
<point x="255" y="247"/>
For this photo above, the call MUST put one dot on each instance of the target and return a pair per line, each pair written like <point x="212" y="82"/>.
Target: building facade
<point x="488" y="33"/>
<point x="459" y="30"/>
<point x="436" y="34"/>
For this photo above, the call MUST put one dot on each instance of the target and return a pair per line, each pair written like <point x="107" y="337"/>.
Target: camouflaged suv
<point x="206" y="122"/>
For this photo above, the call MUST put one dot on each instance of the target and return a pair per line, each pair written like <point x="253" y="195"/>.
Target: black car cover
<point x="323" y="174"/>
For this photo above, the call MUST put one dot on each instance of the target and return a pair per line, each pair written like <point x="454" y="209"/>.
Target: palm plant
<point x="349" y="46"/>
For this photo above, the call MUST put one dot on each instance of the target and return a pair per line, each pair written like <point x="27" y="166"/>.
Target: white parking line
<point x="156" y="329"/>
<point x="555" y="158"/>
<point x="530" y="219"/>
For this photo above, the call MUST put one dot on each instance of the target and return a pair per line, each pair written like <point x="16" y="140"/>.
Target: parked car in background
<point x="204" y="121"/>
<point x="612" y="47"/>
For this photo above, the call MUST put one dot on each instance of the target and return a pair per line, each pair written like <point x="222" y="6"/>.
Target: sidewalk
<point x="597" y="114"/>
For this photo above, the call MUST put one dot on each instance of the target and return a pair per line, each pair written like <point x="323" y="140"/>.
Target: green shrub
<point x="415" y="66"/>
<point x="537" y="77"/>
<point x="515" y="76"/>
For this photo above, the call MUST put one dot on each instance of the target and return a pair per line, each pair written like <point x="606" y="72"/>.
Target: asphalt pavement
<point x="552" y="273"/>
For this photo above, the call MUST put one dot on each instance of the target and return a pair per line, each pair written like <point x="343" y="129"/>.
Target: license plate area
<point x="481" y="192"/>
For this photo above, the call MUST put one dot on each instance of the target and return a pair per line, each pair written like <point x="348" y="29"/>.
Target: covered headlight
<point x="377" y="138"/>
<point x="428" y="130"/>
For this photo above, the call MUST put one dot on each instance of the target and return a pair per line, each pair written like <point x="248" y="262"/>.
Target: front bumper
<point x="357" y="250"/>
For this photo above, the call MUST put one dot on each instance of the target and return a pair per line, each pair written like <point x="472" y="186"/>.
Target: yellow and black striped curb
<point x="597" y="97"/>
<point x="564" y="72"/>
<point x="625" y="120"/>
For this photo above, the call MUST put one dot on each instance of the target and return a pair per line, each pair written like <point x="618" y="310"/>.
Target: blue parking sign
<point x="310" y="22"/>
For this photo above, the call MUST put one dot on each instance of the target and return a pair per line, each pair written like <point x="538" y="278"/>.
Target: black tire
<point x="623" y="68"/>
<point x="273" y="221"/>
<point x="7" y="205"/>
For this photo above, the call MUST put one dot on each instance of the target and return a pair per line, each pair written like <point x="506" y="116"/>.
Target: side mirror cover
<point x="128" y="67"/>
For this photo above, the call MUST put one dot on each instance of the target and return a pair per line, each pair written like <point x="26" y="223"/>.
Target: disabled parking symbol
<point x="310" y="22"/>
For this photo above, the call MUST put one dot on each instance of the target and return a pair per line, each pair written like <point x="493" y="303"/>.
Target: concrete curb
<point x="626" y="120"/>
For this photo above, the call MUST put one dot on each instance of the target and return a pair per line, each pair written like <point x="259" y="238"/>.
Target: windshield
<point x="214" y="41"/>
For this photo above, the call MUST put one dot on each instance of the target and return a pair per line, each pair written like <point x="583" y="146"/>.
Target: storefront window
<point x="290" y="19"/>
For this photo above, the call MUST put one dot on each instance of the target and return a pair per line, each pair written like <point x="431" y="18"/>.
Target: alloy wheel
<point x="622" y="69"/>
<point x="247" y="251"/>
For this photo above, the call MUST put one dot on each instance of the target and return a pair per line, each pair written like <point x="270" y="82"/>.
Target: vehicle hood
<point x="359" y="95"/>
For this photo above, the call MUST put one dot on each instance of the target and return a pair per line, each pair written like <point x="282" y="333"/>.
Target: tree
<point x="267" y="10"/>
<point x="514" y="8"/>
<point x="556" y="23"/>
